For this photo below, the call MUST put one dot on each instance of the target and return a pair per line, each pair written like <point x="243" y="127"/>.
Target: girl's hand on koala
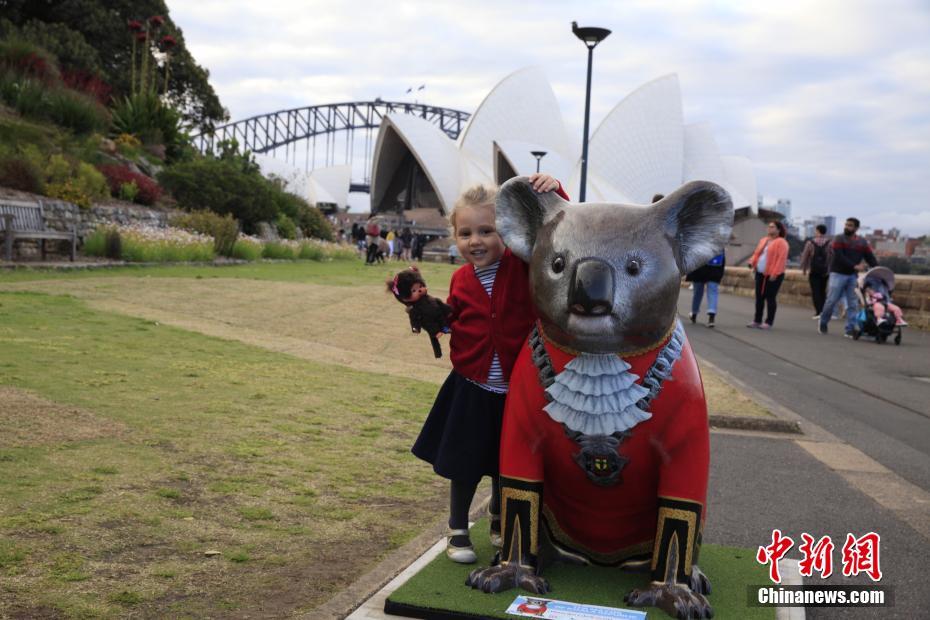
<point x="543" y="183"/>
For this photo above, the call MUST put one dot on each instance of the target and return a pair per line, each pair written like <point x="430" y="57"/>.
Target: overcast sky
<point x="829" y="99"/>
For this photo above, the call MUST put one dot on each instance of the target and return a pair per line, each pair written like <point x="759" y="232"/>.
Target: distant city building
<point x="806" y="226"/>
<point x="781" y="205"/>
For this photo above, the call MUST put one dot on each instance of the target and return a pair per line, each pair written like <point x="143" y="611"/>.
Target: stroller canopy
<point x="880" y="276"/>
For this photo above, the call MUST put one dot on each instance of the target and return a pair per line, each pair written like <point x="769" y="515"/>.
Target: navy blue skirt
<point x="462" y="435"/>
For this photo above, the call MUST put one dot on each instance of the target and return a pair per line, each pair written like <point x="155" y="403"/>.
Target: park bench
<point x="25" y="220"/>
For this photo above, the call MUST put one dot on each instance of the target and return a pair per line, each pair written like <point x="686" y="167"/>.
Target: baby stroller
<point x="880" y="280"/>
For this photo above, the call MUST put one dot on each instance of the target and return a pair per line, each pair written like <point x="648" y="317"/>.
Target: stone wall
<point x="912" y="293"/>
<point x="60" y="215"/>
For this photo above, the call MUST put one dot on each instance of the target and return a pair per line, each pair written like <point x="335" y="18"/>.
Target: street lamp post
<point x="590" y="37"/>
<point x="538" y="155"/>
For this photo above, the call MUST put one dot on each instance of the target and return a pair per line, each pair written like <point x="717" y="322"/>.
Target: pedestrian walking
<point x="768" y="262"/>
<point x="849" y="250"/>
<point x="815" y="264"/>
<point x="406" y="238"/>
<point x="709" y="277"/>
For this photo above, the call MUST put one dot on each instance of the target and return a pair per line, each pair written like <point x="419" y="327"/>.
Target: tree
<point x="103" y="26"/>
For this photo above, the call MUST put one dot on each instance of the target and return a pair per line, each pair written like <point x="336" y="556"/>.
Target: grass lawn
<point x="208" y="441"/>
<point x="147" y="446"/>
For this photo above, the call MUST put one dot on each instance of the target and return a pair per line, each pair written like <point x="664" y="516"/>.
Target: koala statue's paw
<point x="504" y="577"/>
<point x="699" y="581"/>
<point x="677" y="600"/>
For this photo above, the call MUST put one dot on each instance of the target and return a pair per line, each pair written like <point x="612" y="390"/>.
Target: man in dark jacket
<point x="849" y="250"/>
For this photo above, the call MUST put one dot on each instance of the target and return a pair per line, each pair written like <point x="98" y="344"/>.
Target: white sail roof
<point x="641" y="148"/>
<point x="434" y="151"/>
<point x="329" y="185"/>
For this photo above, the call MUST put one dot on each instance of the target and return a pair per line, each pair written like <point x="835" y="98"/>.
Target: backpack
<point x="819" y="259"/>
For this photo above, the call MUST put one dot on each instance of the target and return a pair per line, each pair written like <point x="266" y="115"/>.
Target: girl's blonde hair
<point x="482" y="196"/>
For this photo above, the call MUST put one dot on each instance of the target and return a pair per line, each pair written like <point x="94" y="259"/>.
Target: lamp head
<point x="590" y="35"/>
<point x="538" y="154"/>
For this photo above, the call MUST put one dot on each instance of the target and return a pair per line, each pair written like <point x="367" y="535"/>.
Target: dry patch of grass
<point x="724" y="399"/>
<point x="361" y="327"/>
<point x="28" y="420"/>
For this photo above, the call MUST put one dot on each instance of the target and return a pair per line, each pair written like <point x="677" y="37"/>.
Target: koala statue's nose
<point x="592" y="288"/>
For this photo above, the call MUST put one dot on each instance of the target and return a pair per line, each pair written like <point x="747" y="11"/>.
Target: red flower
<point x="168" y="42"/>
<point x="141" y="36"/>
<point x="157" y="20"/>
<point x="135" y="25"/>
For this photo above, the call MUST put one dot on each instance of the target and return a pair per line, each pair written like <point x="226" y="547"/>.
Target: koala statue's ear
<point x="521" y="211"/>
<point x="697" y="219"/>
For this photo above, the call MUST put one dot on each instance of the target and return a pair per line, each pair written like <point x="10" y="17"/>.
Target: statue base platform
<point x="438" y="591"/>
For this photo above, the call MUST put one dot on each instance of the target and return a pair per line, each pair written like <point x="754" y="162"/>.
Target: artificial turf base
<point x="438" y="592"/>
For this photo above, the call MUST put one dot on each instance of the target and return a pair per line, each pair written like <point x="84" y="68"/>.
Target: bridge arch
<point x="284" y="129"/>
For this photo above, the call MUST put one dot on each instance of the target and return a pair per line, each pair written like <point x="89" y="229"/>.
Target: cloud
<point x="831" y="100"/>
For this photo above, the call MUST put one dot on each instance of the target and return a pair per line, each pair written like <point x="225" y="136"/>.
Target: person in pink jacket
<point x="768" y="262"/>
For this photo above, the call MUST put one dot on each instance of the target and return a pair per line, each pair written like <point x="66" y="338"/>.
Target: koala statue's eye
<point x="558" y="264"/>
<point x="633" y="267"/>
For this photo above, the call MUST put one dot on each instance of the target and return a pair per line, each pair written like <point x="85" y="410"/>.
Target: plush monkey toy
<point x="425" y="312"/>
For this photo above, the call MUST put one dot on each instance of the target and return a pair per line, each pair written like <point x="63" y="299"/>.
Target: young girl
<point x="492" y="314"/>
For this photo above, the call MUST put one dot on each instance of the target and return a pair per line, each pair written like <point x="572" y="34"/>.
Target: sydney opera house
<point x="641" y="148"/>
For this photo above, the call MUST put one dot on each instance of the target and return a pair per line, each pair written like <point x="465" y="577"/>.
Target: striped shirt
<point x="496" y="382"/>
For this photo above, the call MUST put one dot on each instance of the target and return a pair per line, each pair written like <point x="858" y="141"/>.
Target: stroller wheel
<point x="897" y="337"/>
<point x="856" y="332"/>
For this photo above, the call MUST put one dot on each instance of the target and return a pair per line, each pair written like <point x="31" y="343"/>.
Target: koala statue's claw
<point x="534" y="583"/>
<point x="699" y="581"/>
<point x="677" y="600"/>
<point x="505" y="577"/>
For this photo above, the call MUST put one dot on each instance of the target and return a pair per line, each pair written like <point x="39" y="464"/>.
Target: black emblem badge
<point x="599" y="456"/>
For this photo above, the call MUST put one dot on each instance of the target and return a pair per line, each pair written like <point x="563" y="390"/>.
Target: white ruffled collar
<point x="596" y="395"/>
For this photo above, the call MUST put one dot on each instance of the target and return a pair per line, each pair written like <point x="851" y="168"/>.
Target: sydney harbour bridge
<point x="326" y="135"/>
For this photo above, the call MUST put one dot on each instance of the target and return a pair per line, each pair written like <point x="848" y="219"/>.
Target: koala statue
<point x="598" y="466"/>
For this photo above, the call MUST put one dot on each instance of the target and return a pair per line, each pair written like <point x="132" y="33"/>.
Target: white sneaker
<point x="462" y="555"/>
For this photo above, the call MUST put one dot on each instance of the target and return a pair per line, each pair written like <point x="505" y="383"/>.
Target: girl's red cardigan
<point x="482" y="325"/>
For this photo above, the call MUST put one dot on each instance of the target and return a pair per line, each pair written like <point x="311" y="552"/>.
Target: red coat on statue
<point x="668" y="457"/>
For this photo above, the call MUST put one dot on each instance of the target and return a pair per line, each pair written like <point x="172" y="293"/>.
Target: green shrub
<point x="286" y="227"/>
<point x="128" y="191"/>
<point x="314" y="224"/>
<point x="91" y="181"/>
<point x="222" y="186"/>
<point x="30" y="98"/>
<point x="104" y="241"/>
<point x="244" y="249"/>
<point x="28" y="60"/>
<point x="69" y="192"/>
<point x="20" y="173"/>
<point x="154" y="122"/>
<point x="223" y="228"/>
<point x="58" y="169"/>
<point x="274" y="249"/>
<point x="311" y="251"/>
<point x="138" y="250"/>
<point x="77" y="112"/>
<point x="113" y="244"/>
<point x="95" y="243"/>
